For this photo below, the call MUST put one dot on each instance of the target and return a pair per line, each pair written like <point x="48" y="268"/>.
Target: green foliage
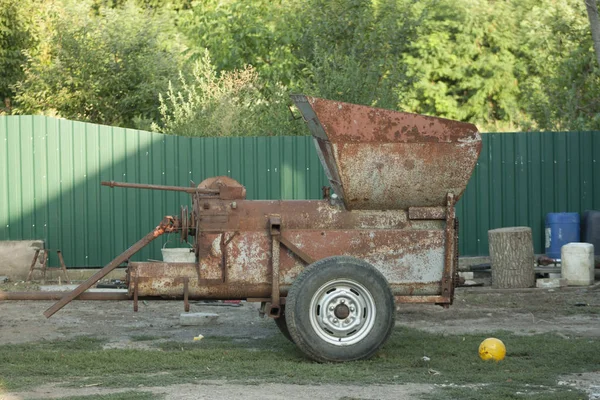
<point x="503" y="65"/>
<point x="15" y="37"/>
<point x="351" y="50"/>
<point x="129" y="395"/>
<point x="461" y="64"/>
<point x="261" y="33"/>
<point x="227" y="104"/>
<point x="561" y="79"/>
<point x="106" y="69"/>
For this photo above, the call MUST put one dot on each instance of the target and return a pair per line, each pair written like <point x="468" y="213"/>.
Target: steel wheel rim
<point x="328" y="308"/>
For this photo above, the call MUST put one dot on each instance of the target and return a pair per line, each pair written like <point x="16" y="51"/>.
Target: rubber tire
<point x="282" y="325"/>
<point x="305" y="287"/>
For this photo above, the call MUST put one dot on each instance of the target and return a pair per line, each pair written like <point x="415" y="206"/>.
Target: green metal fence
<point x="50" y="173"/>
<point x="520" y="177"/>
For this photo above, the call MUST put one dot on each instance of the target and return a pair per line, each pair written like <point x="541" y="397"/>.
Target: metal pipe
<point x="168" y="224"/>
<point x="190" y="190"/>
<point x="59" y="295"/>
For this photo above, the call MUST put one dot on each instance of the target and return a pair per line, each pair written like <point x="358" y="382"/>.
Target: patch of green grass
<point x="532" y="361"/>
<point x="117" y="396"/>
<point x="144" y="338"/>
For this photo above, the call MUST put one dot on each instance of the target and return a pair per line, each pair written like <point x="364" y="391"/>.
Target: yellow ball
<point x="492" y="349"/>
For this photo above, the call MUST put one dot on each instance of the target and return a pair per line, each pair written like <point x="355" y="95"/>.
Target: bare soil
<point x="566" y="313"/>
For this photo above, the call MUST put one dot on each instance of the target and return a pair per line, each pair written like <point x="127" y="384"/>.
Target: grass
<point x="117" y="396"/>
<point x="144" y="338"/>
<point x="532" y="366"/>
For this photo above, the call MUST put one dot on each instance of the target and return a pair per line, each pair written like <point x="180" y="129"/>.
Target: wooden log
<point x="511" y="251"/>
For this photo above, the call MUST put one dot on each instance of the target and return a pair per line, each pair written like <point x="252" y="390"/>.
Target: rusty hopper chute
<point x="383" y="160"/>
<point x="328" y="271"/>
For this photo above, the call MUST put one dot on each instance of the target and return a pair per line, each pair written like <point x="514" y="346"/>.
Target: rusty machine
<point x="327" y="271"/>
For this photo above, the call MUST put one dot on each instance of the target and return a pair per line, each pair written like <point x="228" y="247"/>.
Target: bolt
<point x="335" y="320"/>
<point x="352" y="308"/>
<point x="330" y="308"/>
<point x="342" y="301"/>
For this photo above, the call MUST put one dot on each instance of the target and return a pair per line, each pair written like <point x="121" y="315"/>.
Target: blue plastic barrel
<point x="561" y="228"/>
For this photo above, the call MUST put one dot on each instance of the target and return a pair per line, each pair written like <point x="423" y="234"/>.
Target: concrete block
<point x="69" y="288"/>
<point x="198" y="319"/>
<point x="83" y="273"/>
<point x="57" y="288"/>
<point x="16" y="257"/>
<point x="547" y="283"/>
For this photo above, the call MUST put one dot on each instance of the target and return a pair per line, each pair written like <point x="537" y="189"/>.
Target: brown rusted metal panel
<point x="426" y="213"/>
<point x="383" y="159"/>
<point x="297" y="251"/>
<point x="411" y="260"/>
<point x="421" y="299"/>
<point x="252" y="215"/>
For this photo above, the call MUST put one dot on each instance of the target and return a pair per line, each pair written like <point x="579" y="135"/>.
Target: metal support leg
<point x="449" y="251"/>
<point x="186" y="303"/>
<point x="275" y="229"/>
<point x="32" y="268"/>
<point x="62" y="266"/>
<point x="135" y="293"/>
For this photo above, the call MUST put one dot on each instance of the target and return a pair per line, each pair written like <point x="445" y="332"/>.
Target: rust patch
<point x="357" y="123"/>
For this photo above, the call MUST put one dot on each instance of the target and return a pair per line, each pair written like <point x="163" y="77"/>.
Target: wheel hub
<point x="342" y="312"/>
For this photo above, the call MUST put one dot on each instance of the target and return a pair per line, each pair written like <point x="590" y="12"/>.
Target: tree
<point x="350" y="50"/>
<point x="15" y="38"/>
<point x="261" y="33"/>
<point x="559" y="75"/>
<point x="592" y="10"/>
<point x="461" y="64"/>
<point x="106" y="68"/>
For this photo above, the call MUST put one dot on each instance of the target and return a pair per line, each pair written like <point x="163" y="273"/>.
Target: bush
<point x="105" y="66"/>
<point x="230" y="104"/>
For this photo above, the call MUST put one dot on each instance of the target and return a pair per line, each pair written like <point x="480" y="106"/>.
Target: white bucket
<point x="179" y="255"/>
<point x="578" y="263"/>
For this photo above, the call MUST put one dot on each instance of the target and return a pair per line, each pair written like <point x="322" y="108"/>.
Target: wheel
<point x="282" y="324"/>
<point x="340" y="309"/>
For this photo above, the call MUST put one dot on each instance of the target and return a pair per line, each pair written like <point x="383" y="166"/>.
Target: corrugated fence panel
<point x="50" y="173"/>
<point x="520" y="177"/>
<point x="51" y="169"/>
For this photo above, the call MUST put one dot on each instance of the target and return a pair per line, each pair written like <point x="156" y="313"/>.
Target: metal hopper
<point x="384" y="160"/>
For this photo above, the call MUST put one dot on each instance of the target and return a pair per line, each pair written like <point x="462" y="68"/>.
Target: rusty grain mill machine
<point x="327" y="271"/>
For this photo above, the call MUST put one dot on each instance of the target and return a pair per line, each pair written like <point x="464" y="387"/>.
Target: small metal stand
<point x="43" y="259"/>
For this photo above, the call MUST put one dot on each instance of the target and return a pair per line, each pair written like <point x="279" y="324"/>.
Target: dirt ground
<point x="566" y="313"/>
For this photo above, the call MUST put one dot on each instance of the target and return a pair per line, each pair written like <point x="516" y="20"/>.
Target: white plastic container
<point x="178" y="255"/>
<point x="578" y="263"/>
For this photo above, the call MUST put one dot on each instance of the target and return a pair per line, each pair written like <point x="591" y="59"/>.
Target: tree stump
<point x="511" y="251"/>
